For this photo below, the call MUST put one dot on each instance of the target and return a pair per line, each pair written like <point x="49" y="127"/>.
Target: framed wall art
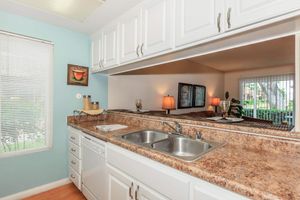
<point x="78" y="75"/>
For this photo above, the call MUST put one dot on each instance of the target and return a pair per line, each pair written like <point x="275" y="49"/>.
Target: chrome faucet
<point x="177" y="129"/>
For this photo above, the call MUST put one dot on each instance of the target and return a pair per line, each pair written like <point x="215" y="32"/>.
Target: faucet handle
<point x="198" y="135"/>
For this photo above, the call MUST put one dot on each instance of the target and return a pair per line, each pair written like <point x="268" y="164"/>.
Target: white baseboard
<point x="36" y="190"/>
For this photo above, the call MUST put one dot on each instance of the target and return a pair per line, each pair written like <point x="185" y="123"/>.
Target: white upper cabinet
<point x="196" y="20"/>
<point x="110" y="45"/>
<point x="157" y="20"/>
<point x="244" y="12"/>
<point x="96" y="50"/>
<point x="130" y="35"/>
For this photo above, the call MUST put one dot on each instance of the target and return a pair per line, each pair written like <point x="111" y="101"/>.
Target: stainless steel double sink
<point x="179" y="146"/>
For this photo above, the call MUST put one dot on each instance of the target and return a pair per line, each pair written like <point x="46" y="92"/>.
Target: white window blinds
<point x="269" y="98"/>
<point x="25" y="94"/>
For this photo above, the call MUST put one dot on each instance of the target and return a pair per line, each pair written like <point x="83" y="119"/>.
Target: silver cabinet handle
<point x="229" y="18"/>
<point x="74" y="150"/>
<point x="72" y="137"/>
<point x="72" y="176"/>
<point x="74" y="163"/>
<point x="137" y="50"/>
<point x="136" y="192"/>
<point x="130" y="191"/>
<point x="219" y="22"/>
<point x="142" y="49"/>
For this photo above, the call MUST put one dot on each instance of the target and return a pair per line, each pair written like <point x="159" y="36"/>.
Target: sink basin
<point x="145" y="137"/>
<point x="183" y="148"/>
<point x="178" y="146"/>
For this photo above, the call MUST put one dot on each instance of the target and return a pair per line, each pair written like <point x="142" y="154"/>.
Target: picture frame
<point x="78" y="75"/>
<point x="185" y="96"/>
<point x="199" y="96"/>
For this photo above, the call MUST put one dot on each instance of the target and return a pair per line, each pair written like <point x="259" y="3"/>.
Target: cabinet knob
<point x="74" y="163"/>
<point x="72" y="137"/>
<point x="74" y="150"/>
<point x="72" y="176"/>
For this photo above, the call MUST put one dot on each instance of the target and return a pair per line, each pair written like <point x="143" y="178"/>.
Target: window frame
<point x="255" y="99"/>
<point x="49" y="102"/>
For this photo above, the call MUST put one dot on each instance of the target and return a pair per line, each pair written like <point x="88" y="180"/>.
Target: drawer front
<point x="74" y="150"/>
<point x="75" y="178"/>
<point x="75" y="136"/>
<point x="75" y="163"/>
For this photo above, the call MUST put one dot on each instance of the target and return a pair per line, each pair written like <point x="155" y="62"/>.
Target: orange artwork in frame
<point x="78" y="75"/>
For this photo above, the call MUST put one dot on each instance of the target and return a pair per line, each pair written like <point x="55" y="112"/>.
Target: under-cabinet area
<point x="257" y="80"/>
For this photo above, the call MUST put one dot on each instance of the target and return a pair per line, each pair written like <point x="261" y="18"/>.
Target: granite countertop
<point x="253" y="173"/>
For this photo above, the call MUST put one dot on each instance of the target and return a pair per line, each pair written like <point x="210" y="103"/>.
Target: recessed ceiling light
<point x="74" y="9"/>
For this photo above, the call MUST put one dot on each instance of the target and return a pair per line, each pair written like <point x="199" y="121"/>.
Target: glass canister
<point x="95" y="105"/>
<point x="86" y="100"/>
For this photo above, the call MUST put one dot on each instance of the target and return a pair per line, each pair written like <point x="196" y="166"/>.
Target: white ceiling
<point x="71" y="17"/>
<point x="271" y="53"/>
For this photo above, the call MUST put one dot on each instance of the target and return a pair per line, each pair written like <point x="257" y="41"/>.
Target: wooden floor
<point x="66" y="192"/>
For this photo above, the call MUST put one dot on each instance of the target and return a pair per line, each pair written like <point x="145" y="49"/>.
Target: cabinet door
<point x="244" y="12"/>
<point x="96" y="50"/>
<point x="156" y="26"/>
<point x="196" y="20"/>
<point x="130" y="32"/>
<point x="110" y="46"/>
<point x="120" y="186"/>
<point x="144" y="193"/>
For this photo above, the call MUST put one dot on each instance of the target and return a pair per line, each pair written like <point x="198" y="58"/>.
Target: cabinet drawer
<point x="74" y="150"/>
<point x="74" y="136"/>
<point x="75" y="178"/>
<point x="75" y="163"/>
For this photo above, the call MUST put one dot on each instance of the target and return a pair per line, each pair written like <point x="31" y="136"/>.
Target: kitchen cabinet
<point x="75" y="163"/>
<point x="123" y="187"/>
<point x="110" y="45"/>
<point x="130" y="35"/>
<point x="120" y="186"/>
<point x="152" y="180"/>
<point x="157" y="24"/>
<point x="244" y="12"/>
<point x="96" y="51"/>
<point x="196" y="20"/>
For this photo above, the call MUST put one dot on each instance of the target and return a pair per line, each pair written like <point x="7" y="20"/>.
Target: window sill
<point x="25" y="152"/>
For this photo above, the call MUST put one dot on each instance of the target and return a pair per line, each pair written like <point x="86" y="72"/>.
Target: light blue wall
<point x="28" y="171"/>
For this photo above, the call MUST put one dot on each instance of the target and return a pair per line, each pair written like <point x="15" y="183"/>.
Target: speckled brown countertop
<point x="254" y="173"/>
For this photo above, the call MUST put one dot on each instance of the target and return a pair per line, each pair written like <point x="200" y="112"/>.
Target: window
<point x="269" y="98"/>
<point x="25" y="94"/>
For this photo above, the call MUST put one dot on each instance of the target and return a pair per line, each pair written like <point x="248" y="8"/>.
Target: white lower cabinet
<point x="134" y="177"/>
<point x="131" y="176"/>
<point x="75" y="156"/>
<point x="123" y="187"/>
